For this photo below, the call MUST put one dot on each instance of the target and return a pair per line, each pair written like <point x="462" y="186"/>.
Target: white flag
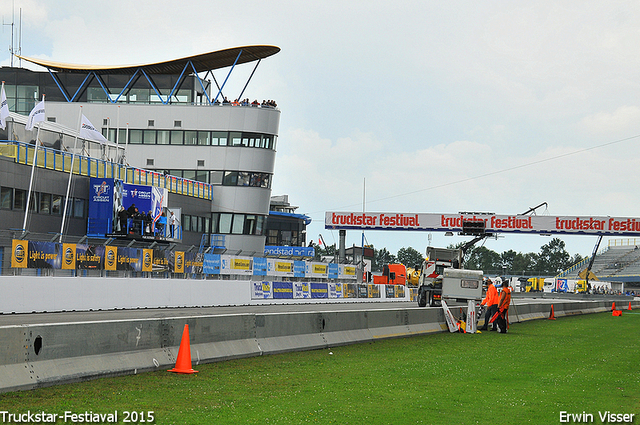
<point x="89" y="132"/>
<point x="4" y="108"/>
<point x="36" y="115"/>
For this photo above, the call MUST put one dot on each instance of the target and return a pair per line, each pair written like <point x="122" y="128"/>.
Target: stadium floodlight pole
<point x="73" y="157"/>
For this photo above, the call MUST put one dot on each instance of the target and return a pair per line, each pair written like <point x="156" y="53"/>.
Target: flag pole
<point x="73" y="157"/>
<point x="33" y="167"/>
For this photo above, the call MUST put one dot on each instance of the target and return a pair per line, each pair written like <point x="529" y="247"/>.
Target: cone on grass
<point x="629" y="306"/>
<point x="613" y="306"/>
<point x="183" y="362"/>
<point x="552" y="316"/>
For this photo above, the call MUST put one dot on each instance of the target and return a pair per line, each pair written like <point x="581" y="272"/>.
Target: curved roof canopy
<point x="202" y="63"/>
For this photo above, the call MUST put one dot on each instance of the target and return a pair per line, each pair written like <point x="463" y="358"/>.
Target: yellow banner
<point x="320" y="269"/>
<point x="147" y="260"/>
<point x="178" y="264"/>
<point x="241" y="264"/>
<point x="110" y="258"/>
<point x="19" y="253"/>
<point x="284" y="267"/>
<point x="349" y="271"/>
<point x="68" y="256"/>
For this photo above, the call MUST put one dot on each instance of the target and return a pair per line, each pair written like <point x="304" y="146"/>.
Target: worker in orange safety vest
<point x="503" y="308"/>
<point x="491" y="303"/>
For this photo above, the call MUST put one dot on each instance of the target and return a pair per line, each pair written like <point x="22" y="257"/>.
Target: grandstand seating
<point x="610" y="262"/>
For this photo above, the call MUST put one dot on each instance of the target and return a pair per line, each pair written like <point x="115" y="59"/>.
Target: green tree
<point x="482" y="258"/>
<point x="327" y="251"/>
<point x="410" y="257"/>
<point x="524" y="264"/>
<point x="382" y="257"/>
<point x="553" y="258"/>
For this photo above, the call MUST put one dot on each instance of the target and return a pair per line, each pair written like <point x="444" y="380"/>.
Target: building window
<point x="149" y="137"/>
<point x="219" y="138"/>
<point x="20" y="200"/>
<point x="190" y="137"/>
<point x="201" y="163"/>
<point x="6" y="198"/>
<point x="163" y="137"/>
<point x="151" y="123"/>
<point x="150" y="162"/>
<point x="203" y="138"/>
<point x="176" y="137"/>
<point x="135" y="137"/>
<point x="225" y="223"/>
<point x="45" y="203"/>
<point x="177" y="123"/>
<point x="51" y="119"/>
<point x="56" y="204"/>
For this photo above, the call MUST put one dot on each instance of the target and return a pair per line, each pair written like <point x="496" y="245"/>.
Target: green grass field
<point x="575" y="364"/>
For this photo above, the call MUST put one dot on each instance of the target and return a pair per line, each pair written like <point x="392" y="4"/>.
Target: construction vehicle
<point x="413" y="276"/>
<point x="430" y="283"/>
<point x="535" y="284"/>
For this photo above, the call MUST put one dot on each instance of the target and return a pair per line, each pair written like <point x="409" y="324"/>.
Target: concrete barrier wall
<point x="38" y="355"/>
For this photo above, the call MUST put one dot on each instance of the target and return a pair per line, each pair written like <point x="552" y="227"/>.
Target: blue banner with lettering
<point x="211" y="264"/>
<point x="283" y="290"/>
<point x="333" y="271"/>
<point x="319" y="290"/>
<point x="290" y="251"/>
<point x="299" y="268"/>
<point x="259" y="266"/>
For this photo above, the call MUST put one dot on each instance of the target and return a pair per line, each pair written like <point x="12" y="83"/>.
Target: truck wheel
<point x="422" y="298"/>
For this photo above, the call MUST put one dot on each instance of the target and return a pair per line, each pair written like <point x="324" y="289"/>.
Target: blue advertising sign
<point x="319" y="290"/>
<point x="333" y="271"/>
<point x="211" y="264"/>
<point x="101" y="206"/>
<point x="290" y="251"/>
<point x="283" y="290"/>
<point x="299" y="268"/>
<point x="259" y="266"/>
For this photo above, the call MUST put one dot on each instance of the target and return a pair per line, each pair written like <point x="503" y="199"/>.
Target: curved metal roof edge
<point x="201" y="62"/>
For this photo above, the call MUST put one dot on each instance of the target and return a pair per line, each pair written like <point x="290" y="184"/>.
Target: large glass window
<point x="78" y="207"/>
<point x="238" y="224"/>
<point x="186" y="222"/>
<point x="45" y="203"/>
<point x="260" y="225"/>
<point x="190" y="137"/>
<point x="163" y="137"/>
<point x="214" y="222"/>
<point x="219" y="138"/>
<point x="216" y="177"/>
<point x="243" y="178"/>
<point x="235" y="138"/>
<point x="135" y="137"/>
<point x="6" y="198"/>
<point x="230" y="178"/>
<point x="225" y="223"/>
<point x="149" y="137"/>
<point x="20" y="200"/>
<point x="176" y="137"/>
<point x="56" y="204"/>
<point x="204" y="138"/>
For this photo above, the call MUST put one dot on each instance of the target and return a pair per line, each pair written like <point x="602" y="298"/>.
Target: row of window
<point x="190" y="137"/>
<point x="225" y="223"/>
<point x="225" y="178"/>
<point x="41" y="203"/>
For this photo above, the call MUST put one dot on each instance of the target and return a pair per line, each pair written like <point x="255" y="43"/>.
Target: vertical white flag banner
<point x="4" y="108"/>
<point x="36" y="115"/>
<point x="89" y="132"/>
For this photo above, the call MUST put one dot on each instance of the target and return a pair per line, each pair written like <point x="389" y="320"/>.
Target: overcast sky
<point x="439" y="107"/>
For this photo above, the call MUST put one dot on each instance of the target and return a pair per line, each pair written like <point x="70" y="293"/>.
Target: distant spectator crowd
<point x="246" y="102"/>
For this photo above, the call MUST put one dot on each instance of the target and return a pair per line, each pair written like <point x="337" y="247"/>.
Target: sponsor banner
<point x="333" y="271"/>
<point x="348" y="272"/>
<point x="160" y="262"/>
<point x="19" y="253"/>
<point x="389" y="291"/>
<point x="236" y="265"/>
<point x="193" y="262"/>
<point x="211" y="264"/>
<point x="494" y="223"/>
<point x="335" y="290"/>
<point x="290" y="251"/>
<point x="259" y="266"/>
<point x="277" y="267"/>
<point x="147" y="260"/>
<point x="44" y="255"/>
<point x="89" y="256"/>
<point x="299" y="268"/>
<point x="319" y="290"/>
<point x="562" y="285"/>
<point x="316" y="270"/>
<point x="301" y="290"/>
<point x="68" y="256"/>
<point x="399" y="291"/>
<point x="373" y="291"/>
<point x="102" y="208"/>
<point x="282" y="290"/>
<point x="350" y="290"/>
<point x="110" y="258"/>
<point x="261" y="290"/>
<point x="178" y="262"/>
<point x="129" y="259"/>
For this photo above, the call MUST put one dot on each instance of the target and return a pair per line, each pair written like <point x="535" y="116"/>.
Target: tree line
<point x="551" y="260"/>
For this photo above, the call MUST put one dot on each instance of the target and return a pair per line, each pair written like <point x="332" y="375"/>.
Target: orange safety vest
<point x="492" y="296"/>
<point x="505" y="299"/>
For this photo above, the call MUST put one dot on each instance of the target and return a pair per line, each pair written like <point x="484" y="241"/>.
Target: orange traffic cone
<point x="552" y="315"/>
<point x="629" y="306"/>
<point x="613" y="306"/>
<point x="183" y="363"/>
